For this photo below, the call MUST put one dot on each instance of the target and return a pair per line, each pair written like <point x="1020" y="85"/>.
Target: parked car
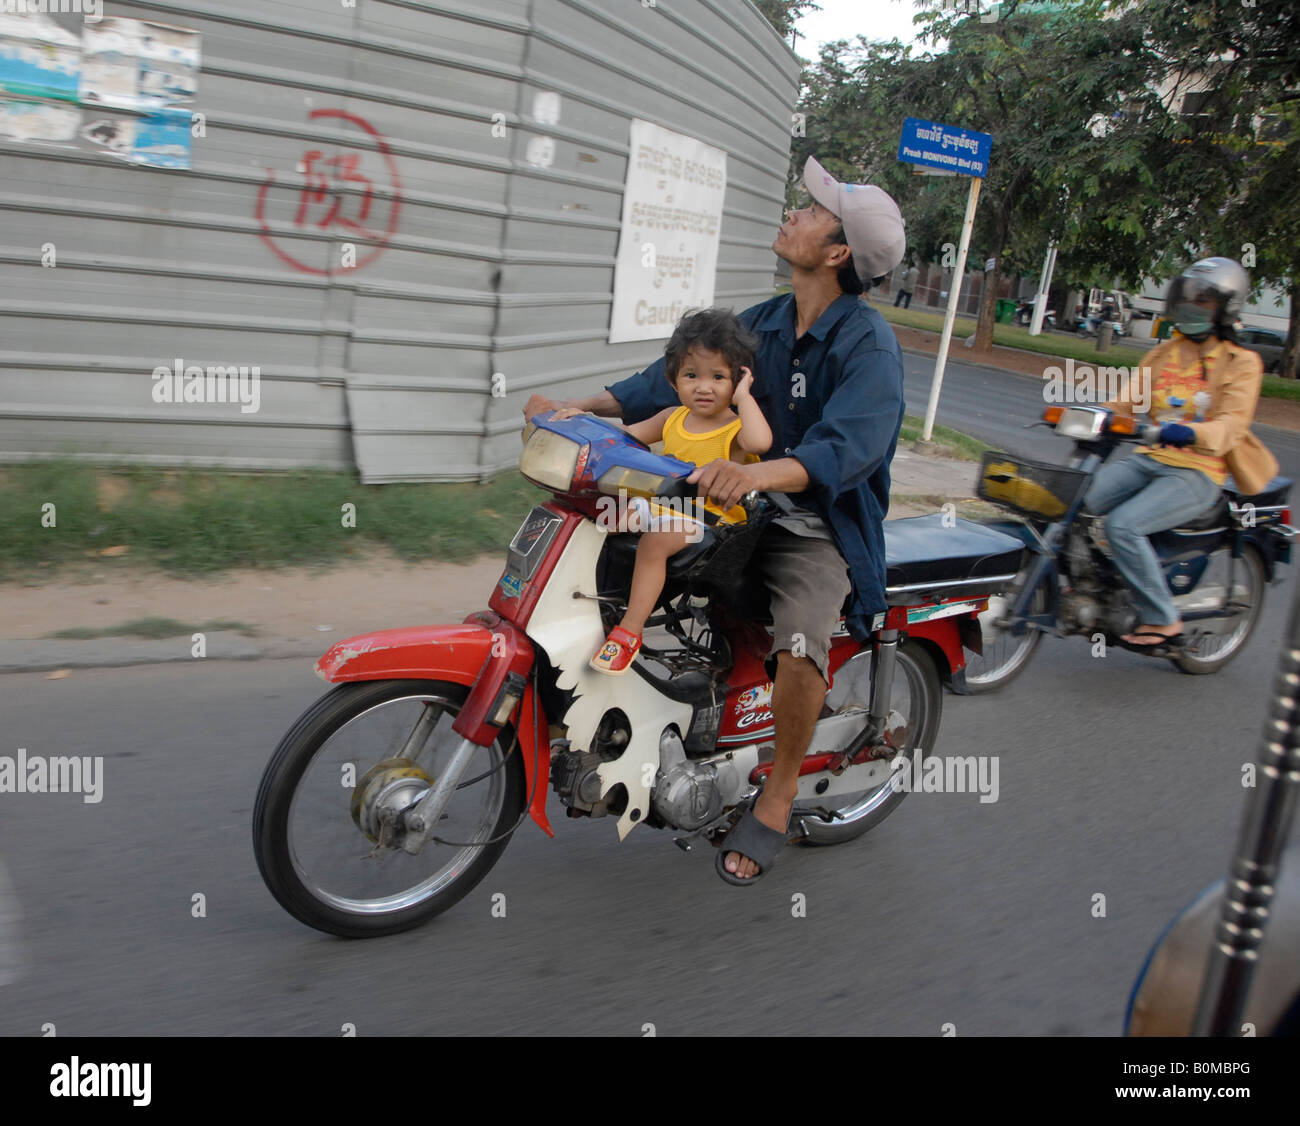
<point x="1267" y="342"/>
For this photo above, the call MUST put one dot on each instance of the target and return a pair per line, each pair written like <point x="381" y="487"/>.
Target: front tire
<point x="922" y="708"/>
<point x="349" y="734"/>
<point x="1005" y="656"/>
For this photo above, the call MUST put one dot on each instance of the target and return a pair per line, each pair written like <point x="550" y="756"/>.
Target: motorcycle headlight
<point x="633" y="483"/>
<point x="550" y="459"/>
<point x="1083" y="423"/>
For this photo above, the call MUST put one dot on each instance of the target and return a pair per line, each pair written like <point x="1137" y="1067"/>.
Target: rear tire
<point x="864" y="811"/>
<point x="1250" y="582"/>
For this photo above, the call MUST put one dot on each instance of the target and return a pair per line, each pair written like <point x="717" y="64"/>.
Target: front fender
<point x="471" y="654"/>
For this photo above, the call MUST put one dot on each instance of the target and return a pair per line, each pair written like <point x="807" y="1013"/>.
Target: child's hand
<point x="742" y="388"/>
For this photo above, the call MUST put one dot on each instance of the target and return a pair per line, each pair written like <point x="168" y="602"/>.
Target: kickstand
<point x="829" y="816"/>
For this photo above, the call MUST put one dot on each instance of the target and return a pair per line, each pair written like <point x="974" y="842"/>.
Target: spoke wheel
<point x="1248" y="585"/>
<point x="1005" y="656"/>
<point x="327" y="824"/>
<point x="918" y="698"/>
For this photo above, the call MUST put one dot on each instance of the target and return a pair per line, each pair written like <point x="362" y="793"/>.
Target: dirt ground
<point x="288" y="607"/>
<point x="291" y="610"/>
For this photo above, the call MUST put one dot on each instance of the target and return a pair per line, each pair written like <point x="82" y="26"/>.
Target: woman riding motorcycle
<point x="1203" y="388"/>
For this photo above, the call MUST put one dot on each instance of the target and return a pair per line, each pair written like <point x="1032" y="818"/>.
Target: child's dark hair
<point x="717" y="330"/>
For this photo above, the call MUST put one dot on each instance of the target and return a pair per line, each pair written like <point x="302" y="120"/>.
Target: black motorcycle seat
<point x="1272" y="494"/>
<point x="623" y="546"/>
<point x="923" y="551"/>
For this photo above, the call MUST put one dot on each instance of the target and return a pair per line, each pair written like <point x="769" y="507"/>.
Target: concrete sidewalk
<point x="300" y="612"/>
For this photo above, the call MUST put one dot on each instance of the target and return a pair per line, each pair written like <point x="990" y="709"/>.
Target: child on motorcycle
<point x="707" y="361"/>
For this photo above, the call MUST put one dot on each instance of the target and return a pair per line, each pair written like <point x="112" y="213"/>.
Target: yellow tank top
<point x="700" y="449"/>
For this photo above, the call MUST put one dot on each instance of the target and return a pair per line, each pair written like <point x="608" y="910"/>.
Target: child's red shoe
<point x="616" y="654"/>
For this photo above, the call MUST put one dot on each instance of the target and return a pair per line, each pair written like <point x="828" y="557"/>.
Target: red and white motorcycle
<point x="395" y="793"/>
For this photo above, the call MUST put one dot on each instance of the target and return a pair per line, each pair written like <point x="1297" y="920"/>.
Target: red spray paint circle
<point x="320" y="208"/>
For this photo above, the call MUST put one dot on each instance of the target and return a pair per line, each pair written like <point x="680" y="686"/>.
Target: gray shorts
<point x="808" y="581"/>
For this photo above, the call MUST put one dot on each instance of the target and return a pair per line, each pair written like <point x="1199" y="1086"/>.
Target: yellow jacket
<point x="1234" y="376"/>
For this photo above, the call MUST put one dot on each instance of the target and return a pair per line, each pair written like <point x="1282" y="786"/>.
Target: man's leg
<point x="907" y="302"/>
<point x="899" y="298"/>
<point x="808" y="581"/>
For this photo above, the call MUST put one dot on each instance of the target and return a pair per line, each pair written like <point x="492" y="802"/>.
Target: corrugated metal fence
<point x="381" y="216"/>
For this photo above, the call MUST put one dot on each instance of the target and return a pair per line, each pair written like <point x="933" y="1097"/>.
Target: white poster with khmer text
<point x="672" y="214"/>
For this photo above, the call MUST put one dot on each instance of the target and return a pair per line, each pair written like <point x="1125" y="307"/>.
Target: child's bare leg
<point x="652" y="555"/>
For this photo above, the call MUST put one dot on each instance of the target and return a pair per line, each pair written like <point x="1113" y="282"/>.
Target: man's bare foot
<point x="1146" y="632"/>
<point x="772" y="811"/>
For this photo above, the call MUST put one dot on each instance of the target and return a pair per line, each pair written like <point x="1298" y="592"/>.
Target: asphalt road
<point x="996" y="406"/>
<point x="1118" y="777"/>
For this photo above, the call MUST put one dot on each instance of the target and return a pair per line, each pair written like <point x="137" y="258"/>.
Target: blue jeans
<point x="1143" y="496"/>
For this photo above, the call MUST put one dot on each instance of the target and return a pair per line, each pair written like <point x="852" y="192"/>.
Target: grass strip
<point x="153" y="629"/>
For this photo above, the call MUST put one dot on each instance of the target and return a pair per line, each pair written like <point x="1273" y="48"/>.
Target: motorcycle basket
<point x="1033" y="489"/>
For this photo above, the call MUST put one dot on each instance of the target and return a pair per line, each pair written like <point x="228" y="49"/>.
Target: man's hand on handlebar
<point x="724" y="482"/>
<point x="538" y="403"/>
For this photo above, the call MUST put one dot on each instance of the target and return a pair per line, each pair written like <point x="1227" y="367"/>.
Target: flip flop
<point x="1165" y="638"/>
<point x="1167" y="642"/>
<point x="753" y="840"/>
<point x="615" y="656"/>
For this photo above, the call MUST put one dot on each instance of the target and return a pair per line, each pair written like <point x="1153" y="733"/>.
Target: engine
<point x="688" y="793"/>
<point x="1089" y="606"/>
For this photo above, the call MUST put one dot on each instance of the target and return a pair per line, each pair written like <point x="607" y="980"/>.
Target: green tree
<point x="783" y="14"/>
<point x="1034" y="78"/>
<point x="1239" y="131"/>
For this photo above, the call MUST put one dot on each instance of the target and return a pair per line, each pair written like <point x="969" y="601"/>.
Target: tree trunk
<point x="988" y="304"/>
<point x="1286" y="368"/>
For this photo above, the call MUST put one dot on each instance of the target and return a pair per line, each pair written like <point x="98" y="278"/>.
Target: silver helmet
<point x="1207" y="297"/>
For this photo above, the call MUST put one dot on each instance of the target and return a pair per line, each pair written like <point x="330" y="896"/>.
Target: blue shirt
<point x="834" y="401"/>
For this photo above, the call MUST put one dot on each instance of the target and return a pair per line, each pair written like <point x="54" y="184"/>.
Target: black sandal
<point x="754" y="841"/>
<point x="1172" y="640"/>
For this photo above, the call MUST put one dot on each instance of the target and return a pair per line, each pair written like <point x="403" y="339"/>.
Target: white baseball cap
<point x="873" y="225"/>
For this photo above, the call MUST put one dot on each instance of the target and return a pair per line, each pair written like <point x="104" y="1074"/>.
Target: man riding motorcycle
<point x="829" y="379"/>
<point x="1204" y="388"/>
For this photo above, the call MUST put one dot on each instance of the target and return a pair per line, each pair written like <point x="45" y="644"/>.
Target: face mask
<point x="1192" y="321"/>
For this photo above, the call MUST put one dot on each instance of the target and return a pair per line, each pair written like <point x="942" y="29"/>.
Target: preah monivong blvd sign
<point x="954" y="151"/>
<point x="948" y="148"/>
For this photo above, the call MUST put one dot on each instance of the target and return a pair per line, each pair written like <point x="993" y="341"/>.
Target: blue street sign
<point x="946" y="147"/>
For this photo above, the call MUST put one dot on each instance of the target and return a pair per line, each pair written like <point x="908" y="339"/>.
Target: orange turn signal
<point x="1123" y="424"/>
<point x="1053" y="414"/>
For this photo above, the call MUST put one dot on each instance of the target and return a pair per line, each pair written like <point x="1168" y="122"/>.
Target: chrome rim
<point x="909" y="694"/>
<point x="336" y="863"/>
<point x="1247" y="589"/>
